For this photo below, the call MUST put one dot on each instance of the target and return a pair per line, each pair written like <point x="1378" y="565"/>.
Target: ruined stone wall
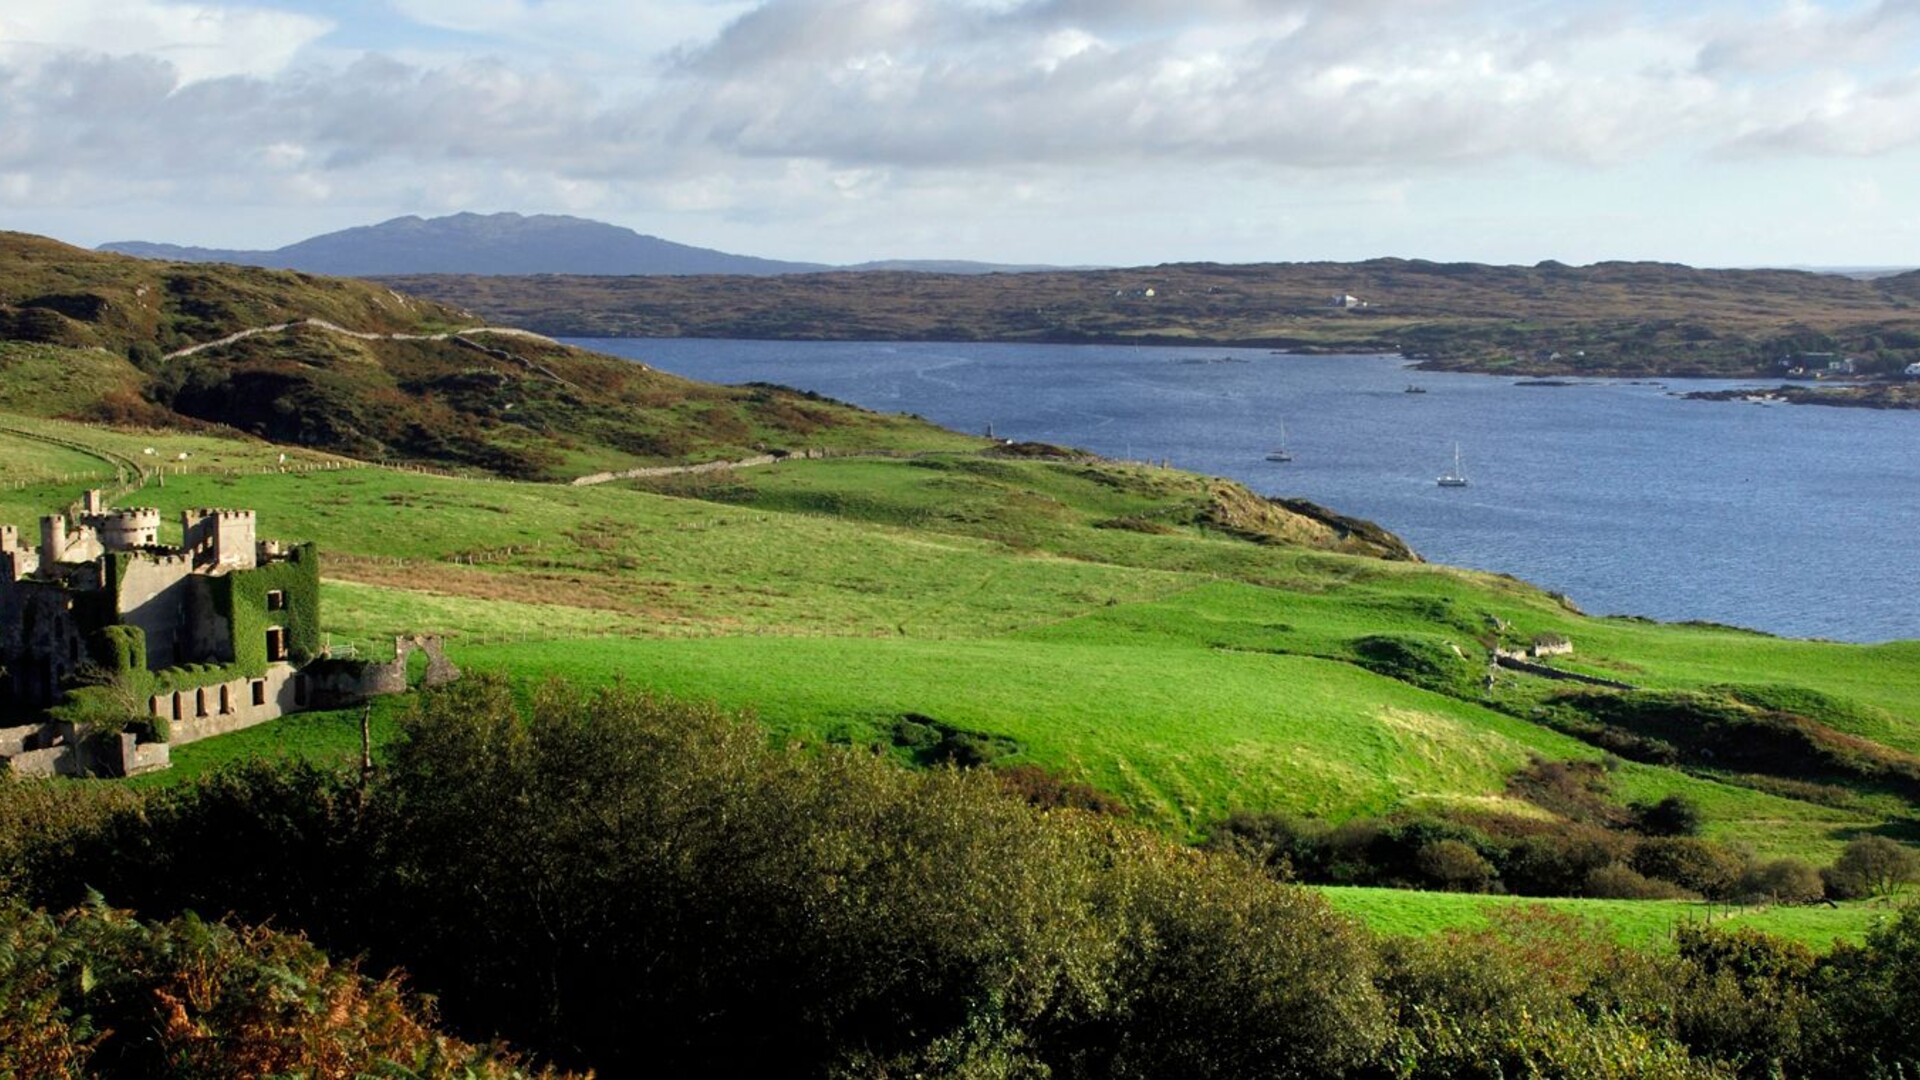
<point x="133" y="757"/>
<point x="41" y="641"/>
<point x="19" y="740"/>
<point x="205" y="711"/>
<point x="53" y="761"/>
<point x="17" y="564"/>
<point x="45" y="749"/>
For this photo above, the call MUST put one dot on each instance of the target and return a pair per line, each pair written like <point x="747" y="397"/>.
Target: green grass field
<point x="1100" y="616"/>
<point x="1641" y="923"/>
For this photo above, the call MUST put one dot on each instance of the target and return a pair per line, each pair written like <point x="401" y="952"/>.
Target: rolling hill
<point x="357" y="368"/>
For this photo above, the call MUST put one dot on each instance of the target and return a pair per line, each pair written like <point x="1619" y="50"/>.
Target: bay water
<point x="1795" y="520"/>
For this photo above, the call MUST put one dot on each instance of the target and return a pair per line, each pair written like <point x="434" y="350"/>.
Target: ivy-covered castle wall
<point x="103" y="633"/>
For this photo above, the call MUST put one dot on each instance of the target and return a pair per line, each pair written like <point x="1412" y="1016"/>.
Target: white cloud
<point x="823" y="110"/>
<point x="199" y="41"/>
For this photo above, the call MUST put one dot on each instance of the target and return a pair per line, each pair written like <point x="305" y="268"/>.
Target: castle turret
<point x="124" y="530"/>
<point x="220" y="538"/>
<point x="17" y="560"/>
<point x="53" y="538"/>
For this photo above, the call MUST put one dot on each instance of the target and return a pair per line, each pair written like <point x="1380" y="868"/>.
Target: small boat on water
<point x="1281" y="453"/>
<point x="1454" y="477"/>
<point x="1414" y="389"/>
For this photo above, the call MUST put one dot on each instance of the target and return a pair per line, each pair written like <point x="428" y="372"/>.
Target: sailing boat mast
<point x="1281" y="453"/>
<point x="1455" y="478"/>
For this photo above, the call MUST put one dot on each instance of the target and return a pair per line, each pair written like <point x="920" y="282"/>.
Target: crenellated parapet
<point x="224" y="538"/>
<point x="127" y="530"/>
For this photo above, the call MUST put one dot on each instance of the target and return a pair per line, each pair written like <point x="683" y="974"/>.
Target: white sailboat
<point x="1281" y="453"/>
<point x="1454" y="477"/>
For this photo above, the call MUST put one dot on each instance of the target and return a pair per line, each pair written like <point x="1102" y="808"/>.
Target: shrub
<point x="1559" y="863"/>
<point x="1039" y="788"/>
<point x="1616" y="881"/>
<point x="1869" y="999"/>
<point x="97" y="992"/>
<point x="1287" y="847"/>
<point x="1780" y="881"/>
<point x="1453" y="866"/>
<point x="1675" y="815"/>
<point x="1743" y="998"/>
<point x="1695" y="865"/>
<point x="1580" y="791"/>
<point x="678" y="896"/>
<point x="1534" y="994"/>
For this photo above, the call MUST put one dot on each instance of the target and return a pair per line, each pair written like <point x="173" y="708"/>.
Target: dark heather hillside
<point x="360" y="369"/>
<point x="1609" y="318"/>
<point x="479" y="244"/>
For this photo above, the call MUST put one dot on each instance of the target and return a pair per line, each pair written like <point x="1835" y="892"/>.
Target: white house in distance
<point x="1346" y="302"/>
<point x="1913" y="371"/>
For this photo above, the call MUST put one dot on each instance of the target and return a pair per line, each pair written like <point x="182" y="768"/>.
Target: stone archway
<point x="440" y="670"/>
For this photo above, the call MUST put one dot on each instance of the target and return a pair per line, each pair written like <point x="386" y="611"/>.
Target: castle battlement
<point x="170" y="559"/>
<point x="226" y="535"/>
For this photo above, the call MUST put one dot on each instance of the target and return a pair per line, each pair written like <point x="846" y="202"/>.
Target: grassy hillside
<point x="1173" y="661"/>
<point x="1195" y="652"/>
<point x="54" y="294"/>
<point x="356" y="368"/>
<point x="1615" y="318"/>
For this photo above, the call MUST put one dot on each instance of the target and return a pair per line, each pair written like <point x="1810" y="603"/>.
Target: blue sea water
<point x="1796" y="520"/>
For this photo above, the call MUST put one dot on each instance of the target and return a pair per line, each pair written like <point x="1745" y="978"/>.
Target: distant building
<point x="1347" y="302"/>
<point x="1912" y="371"/>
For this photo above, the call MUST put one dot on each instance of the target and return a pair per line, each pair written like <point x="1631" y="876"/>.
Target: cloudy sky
<point x="1059" y="131"/>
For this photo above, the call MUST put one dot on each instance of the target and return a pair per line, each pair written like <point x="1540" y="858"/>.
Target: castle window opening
<point x="179" y="705"/>
<point x="226" y="700"/>
<point x="259" y="691"/>
<point x="200" y="702"/>
<point x="276" y="643"/>
<point x="276" y="600"/>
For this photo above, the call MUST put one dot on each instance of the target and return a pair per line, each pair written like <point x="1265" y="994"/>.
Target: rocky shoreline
<point x="1869" y="396"/>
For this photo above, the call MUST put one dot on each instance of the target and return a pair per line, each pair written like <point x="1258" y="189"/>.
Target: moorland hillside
<point x="1608" y="318"/>
<point x="359" y="369"/>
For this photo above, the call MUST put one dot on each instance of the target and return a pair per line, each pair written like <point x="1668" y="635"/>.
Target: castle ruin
<point x="100" y="624"/>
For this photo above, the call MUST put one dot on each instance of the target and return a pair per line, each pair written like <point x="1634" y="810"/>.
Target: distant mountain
<point x="479" y="244"/>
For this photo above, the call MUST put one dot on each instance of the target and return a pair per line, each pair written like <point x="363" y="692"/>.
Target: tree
<point x="1871" y="866"/>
